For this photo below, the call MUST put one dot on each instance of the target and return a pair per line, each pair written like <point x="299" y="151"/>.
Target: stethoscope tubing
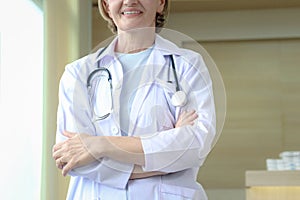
<point x="174" y="72"/>
<point x="109" y="78"/>
<point x="92" y="74"/>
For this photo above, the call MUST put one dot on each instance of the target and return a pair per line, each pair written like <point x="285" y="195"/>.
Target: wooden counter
<point x="273" y="185"/>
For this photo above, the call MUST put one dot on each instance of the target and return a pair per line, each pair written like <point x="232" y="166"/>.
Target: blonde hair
<point x="160" y="19"/>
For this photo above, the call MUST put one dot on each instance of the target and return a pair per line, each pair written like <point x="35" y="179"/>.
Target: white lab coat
<point x="179" y="152"/>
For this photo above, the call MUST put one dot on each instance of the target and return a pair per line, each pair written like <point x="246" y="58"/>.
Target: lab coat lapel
<point x="117" y="81"/>
<point x="154" y="64"/>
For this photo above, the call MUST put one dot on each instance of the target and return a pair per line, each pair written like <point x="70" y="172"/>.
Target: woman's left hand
<point x="74" y="152"/>
<point x="186" y="118"/>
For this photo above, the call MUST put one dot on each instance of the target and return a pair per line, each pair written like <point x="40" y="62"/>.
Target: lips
<point x="131" y="12"/>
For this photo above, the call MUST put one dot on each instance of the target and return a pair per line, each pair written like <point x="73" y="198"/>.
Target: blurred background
<point x="255" y="44"/>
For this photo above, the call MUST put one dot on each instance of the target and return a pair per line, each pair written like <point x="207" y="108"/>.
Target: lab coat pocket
<point x="172" y="192"/>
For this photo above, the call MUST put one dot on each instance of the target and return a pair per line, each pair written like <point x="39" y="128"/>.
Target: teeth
<point x="130" y="12"/>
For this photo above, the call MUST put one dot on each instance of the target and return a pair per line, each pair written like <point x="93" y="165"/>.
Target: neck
<point x="134" y="41"/>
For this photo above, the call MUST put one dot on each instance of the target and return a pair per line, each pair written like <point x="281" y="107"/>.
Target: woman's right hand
<point x="186" y="118"/>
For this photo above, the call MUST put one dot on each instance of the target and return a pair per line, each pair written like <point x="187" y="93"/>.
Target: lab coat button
<point x="114" y="130"/>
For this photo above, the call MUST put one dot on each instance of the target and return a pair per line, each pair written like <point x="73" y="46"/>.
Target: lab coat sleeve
<point x="74" y="115"/>
<point x="185" y="147"/>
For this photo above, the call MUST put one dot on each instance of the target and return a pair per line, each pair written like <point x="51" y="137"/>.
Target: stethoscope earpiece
<point x="179" y="99"/>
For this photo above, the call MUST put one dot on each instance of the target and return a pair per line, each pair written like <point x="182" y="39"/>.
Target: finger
<point x="57" y="146"/>
<point x="189" y="119"/>
<point x="190" y="112"/>
<point x="183" y="114"/>
<point x="69" y="134"/>
<point x="57" y="154"/>
<point x="192" y="117"/>
<point x="69" y="166"/>
<point x="59" y="163"/>
<point x="186" y="114"/>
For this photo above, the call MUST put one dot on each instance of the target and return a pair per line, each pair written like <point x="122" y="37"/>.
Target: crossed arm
<point x="82" y="149"/>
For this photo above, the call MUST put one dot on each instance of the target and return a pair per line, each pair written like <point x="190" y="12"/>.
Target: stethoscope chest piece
<point x="103" y="106"/>
<point x="179" y="99"/>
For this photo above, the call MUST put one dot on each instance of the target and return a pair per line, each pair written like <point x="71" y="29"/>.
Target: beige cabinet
<point x="273" y="185"/>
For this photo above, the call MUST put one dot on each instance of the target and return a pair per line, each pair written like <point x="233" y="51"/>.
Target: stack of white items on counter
<point x="289" y="160"/>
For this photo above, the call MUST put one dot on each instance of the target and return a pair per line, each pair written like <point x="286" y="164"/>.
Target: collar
<point x="166" y="47"/>
<point x="163" y="46"/>
<point x="106" y="52"/>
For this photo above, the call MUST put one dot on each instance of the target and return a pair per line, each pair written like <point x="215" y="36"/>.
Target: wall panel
<point x="262" y="81"/>
<point x="259" y="61"/>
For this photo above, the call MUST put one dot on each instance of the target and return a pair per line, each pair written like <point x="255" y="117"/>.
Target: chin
<point x="132" y="26"/>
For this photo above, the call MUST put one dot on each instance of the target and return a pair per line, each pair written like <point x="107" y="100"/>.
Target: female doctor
<point x="146" y="145"/>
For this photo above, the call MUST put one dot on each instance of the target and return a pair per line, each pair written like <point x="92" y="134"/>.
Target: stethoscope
<point x="178" y="99"/>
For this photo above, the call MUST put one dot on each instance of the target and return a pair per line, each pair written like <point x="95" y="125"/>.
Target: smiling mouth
<point x="131" y="12"/>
